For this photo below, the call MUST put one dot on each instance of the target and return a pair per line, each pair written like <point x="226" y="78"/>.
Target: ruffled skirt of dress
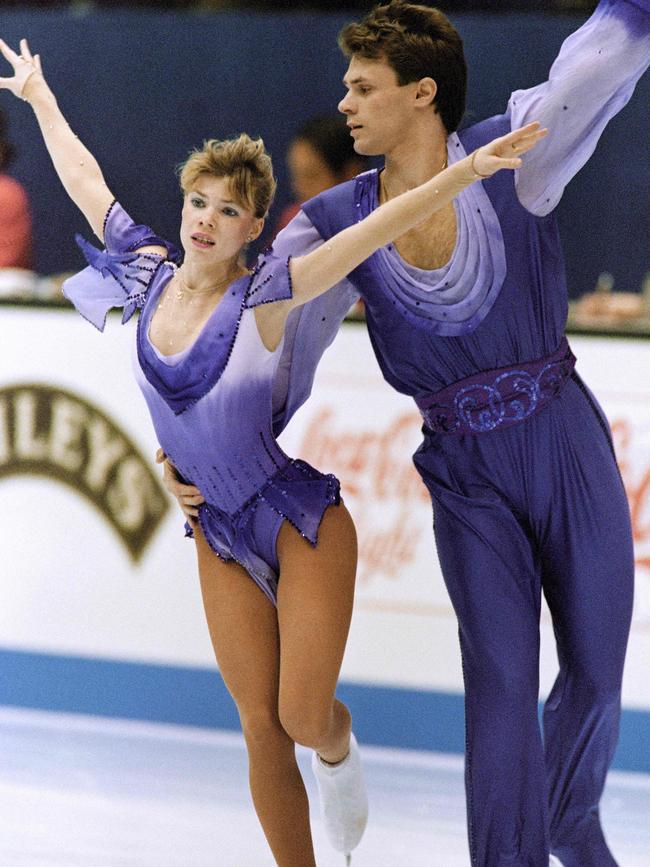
<point x="297" y="493"/>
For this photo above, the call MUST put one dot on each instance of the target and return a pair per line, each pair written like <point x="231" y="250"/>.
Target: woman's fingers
<point x="508" y="148"/>
<point x="520" y="132"/>
<point x="522" y="139"/>
<point x="25" y="53"/>
<point x="24" y="66"/>
<point x="526" y="142"/>
<point x="8" y="53"/>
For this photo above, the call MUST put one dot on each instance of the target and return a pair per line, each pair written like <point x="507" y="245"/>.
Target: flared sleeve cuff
<point x="590" y="81"/>
<point x="116" y="276"/>
<point x="270" y="281"/>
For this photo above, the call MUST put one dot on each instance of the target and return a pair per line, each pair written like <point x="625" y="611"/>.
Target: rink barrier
<point x="384" y="716"/>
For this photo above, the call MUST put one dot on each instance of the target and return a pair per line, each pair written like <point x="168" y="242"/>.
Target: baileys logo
<point x="54" y="433"/>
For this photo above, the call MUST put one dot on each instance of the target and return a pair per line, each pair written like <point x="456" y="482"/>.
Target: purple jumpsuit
<point x="211" y="404"/>
<point x="517" y="454"/>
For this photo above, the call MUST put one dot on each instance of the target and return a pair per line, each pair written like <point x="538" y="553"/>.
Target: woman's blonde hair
<point x="244" y="161"/>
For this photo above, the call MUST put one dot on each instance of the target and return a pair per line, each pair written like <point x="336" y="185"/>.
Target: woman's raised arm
<point x="77" y="168"/>
<point x="313" y="274"/>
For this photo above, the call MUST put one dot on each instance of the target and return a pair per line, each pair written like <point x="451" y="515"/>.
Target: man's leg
<point x="493" y="581"/>
<point x="588" y="574"/>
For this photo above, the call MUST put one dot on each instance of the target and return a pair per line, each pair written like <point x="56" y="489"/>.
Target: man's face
<point x="378" y="110"/>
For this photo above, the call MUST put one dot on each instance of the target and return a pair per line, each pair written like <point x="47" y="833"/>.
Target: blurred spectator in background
<point x="320" y="155"/>
<point x="15" y="218"/>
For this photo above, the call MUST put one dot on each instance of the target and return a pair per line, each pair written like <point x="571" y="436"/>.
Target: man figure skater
<point x="466" y="313"/>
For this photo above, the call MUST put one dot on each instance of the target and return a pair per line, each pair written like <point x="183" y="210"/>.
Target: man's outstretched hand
<point x="188" y="497"/>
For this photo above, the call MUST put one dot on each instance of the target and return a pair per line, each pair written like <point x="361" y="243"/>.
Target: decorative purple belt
<point x="497" y="398"/>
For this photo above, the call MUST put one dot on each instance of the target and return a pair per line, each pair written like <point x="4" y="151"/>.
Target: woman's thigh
<point x="315" y="598"/>
<point x="244" y="632"/>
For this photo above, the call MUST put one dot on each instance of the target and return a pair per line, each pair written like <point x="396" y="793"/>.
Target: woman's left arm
<point x="315" y="273"/>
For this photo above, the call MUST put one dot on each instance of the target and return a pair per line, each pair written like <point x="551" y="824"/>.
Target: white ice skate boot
<point x="555" y="862"/>
<point x="343" y="799"/>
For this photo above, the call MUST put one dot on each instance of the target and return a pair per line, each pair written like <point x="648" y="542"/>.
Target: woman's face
<point x="215" y="228"/>
<point x="310" y="174"/>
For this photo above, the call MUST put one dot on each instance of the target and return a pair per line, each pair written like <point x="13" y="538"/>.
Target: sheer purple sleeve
<point x="592" y="78"/>
<point x="270" y="280"/>
<point x="310" y="328"/>
<point x="117" y="276"/>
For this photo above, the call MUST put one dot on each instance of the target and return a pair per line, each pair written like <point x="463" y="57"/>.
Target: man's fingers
<point x="181" y="490"/>
<point x="187" y="495"/>
<point x="189" y="491"/>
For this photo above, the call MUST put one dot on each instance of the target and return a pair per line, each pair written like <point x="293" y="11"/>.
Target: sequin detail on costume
<point x="297" y="492"/>
<point x="497" y="398"/>
<point x="270" y="281"/>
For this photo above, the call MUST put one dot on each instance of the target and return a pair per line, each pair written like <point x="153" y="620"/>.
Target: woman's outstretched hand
<point x="25" y="65"/>
<point x="75" y="165"/>
<point x="505" y="152"/>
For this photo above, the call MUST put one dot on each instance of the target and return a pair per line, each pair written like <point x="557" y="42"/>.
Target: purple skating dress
<point x="211" y="404"/>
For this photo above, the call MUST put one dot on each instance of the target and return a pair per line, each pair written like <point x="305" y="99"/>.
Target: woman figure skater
<point x="208" y="342"/>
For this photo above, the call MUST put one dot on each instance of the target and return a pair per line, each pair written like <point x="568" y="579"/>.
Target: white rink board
<point x="70" y="587"/>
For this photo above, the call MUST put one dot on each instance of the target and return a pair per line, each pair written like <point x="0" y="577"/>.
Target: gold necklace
<point x="382" y="182"/>
<point x="184" y="289"/>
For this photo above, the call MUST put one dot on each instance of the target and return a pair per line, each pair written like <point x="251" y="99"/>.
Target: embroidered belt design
<point x="497" y="398"/>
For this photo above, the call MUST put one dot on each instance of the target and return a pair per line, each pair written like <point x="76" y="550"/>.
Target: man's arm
<point x="591" y="80"/>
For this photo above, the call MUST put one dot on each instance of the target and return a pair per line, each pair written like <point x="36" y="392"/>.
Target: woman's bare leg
<point x="315" y="597"/>
<point x="244" y="631"/>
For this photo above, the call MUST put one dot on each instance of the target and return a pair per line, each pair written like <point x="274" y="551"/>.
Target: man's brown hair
<point x="417" y="42"/>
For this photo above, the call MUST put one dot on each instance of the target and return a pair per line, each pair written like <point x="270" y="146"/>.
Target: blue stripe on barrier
<point x="386" y="716"/>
